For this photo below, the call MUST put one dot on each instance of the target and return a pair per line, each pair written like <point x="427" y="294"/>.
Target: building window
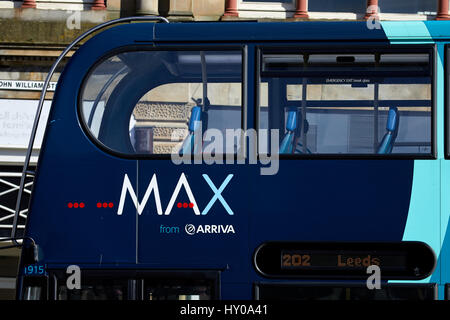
<point x="355" y="6"/>
<point x="426" y="7"/>
<point x="135" y="107"/>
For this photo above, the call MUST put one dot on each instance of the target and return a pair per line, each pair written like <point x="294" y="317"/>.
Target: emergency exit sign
<point x="25" y="85"/>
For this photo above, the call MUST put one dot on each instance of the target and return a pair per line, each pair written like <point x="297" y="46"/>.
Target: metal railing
<point x="8" y="186"/>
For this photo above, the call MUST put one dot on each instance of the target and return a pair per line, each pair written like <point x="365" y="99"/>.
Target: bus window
<point x="96" y="289"/>
<point x="347" y="291"/>
<point x="347" y="104"/>
<point x="177" y="292"/>
<point x="153" y="102"/>
<point x="181" y="285"/>
<point x="35" y="288"/>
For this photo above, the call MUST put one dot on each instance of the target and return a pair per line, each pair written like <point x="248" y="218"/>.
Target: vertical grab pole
<point x="376" y="116"/>
<point x="304" y="100"/>
<point x="42" y="98"/>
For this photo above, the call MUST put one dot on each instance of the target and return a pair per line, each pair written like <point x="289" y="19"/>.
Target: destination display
<point x="400" y="260"/>
<point x="350" y="260"/>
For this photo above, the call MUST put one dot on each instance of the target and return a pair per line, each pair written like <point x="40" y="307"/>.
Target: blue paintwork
<point x="429" y="208"/>
<point x="333" y="200"/>
<point x="265" y="31"/>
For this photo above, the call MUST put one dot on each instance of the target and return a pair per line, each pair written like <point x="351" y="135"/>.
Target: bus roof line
<point x="44" y="92"/>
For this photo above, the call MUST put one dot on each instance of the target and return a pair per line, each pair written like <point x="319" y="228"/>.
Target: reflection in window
<point x="171" y="289"/>
<point x="152" y="102"/>
<point x="97" y="290"/>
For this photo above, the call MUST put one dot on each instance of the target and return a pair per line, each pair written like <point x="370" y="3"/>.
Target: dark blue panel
<point x="329" y="200"/>
<point x="223" y="251"/>
<point x="235" y="31"/>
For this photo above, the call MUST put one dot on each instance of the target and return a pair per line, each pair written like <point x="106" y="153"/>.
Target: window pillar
<point x="29" y="4"/>
<point x="371" y="9"/>
<point x="231" y="9"/>
<point x="442" y="13"/>
<point x="98" y="5"/>
<point x="147" y="7"/>
<point x="176" y="10"/>
<point x="301" y="9"/>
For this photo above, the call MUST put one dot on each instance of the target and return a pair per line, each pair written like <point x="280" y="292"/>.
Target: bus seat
<point x="189" y="146"/>
<point x="287" y="144"/>
<point x="392" y="123"/>
<point x="299" y="146"/>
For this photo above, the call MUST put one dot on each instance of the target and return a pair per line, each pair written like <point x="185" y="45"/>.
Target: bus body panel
<point x="354" y="200"/>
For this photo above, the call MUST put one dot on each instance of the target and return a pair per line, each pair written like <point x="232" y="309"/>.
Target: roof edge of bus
<point x="284" y="31"/>
<point x="263" y="31"/>
<point x="302" y="30"/>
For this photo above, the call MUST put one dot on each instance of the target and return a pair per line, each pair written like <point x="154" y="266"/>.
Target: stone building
<point x="34" y="32"/>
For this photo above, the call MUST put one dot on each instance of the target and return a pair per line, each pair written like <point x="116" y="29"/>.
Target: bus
<point x="244" y="161"/>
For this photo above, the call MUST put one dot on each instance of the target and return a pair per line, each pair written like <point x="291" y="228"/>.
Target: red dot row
<point x="76" y="205"/>
<point x="105" y="205"/>
<point x="185" y="205"/>
<point x="82" y="205"/>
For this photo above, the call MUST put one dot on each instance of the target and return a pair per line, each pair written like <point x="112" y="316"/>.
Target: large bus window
<point x="95" y="289"/>
<point x="35" y="288"/>
<point x="349" y="104"/>
<point x="176" y="290"/>
<point x="159" y="102"/>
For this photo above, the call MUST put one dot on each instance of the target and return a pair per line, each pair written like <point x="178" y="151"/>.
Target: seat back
<point x="288" y="143"/>
<point x="392" y="124"/>
<point x="189" y="146"/>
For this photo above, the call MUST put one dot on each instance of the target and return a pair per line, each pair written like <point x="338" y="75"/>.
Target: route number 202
<point x="296" y="260"/>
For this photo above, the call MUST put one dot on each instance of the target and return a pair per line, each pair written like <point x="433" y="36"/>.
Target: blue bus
<point x="245" y="160"/>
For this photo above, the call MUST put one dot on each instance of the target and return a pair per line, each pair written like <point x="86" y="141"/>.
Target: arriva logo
<point x="191" y="229"/>
<point x="182" y="182"/>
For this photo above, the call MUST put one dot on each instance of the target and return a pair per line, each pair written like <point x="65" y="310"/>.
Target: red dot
<point x="111" y="205"/>
<point x="185" y="205"/>
<point x="179" y="204"/>
<point x="105" y="205"/>
<point x="99" y="205"/>
<point x="70" y="205"/>
<point x="82" y="205"/>
<point x="75" y="205"/>
<point x="191" y="205"/>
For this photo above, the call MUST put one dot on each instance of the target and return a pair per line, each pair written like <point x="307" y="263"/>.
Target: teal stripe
<point x="423" y="222"/>
<point x="424" y="219"/>
<point x="406" y="31"/>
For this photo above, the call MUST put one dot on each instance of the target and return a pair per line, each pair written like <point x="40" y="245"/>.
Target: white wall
<point x="16" y="122"/>
<point x="51" y="4"/>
